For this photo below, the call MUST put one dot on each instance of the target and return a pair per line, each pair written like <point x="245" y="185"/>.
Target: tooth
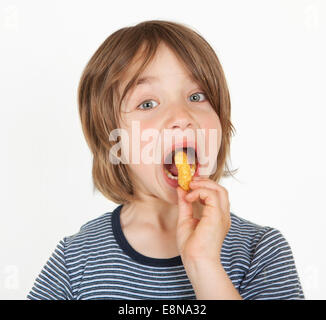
<point x="170" y="175"/>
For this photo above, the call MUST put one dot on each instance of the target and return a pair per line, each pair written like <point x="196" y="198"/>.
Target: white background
<point x="273" y="55"/>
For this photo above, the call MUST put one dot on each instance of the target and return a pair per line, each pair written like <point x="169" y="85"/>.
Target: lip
<point x="184" y="144"/>
<point x="174" y="183"/>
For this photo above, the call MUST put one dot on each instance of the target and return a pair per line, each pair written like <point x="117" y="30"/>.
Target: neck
<point x="159" y="214"/>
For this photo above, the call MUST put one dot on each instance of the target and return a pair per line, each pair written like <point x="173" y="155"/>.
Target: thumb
<point x="185" y="207"/>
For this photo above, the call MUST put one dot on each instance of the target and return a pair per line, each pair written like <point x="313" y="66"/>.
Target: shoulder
<point x="92" y="235"/>
<point x="261" y="262"/>
<point x="245" y="230"/>
<point x="255" y="234"/>
<point x="248" y="239"/>
<point x="66" y="266"/>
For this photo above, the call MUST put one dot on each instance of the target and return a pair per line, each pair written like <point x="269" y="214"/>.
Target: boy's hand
<point x="201" y="240"/>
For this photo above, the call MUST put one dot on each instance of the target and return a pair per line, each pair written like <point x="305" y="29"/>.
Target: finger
<point x="220" y="192"/>
<point x="208" y="196"/>
<point x="185" y="207"/>
<point x="205" y="182"/>
<point x="198" y="178"/>
<point x="210" y="184"/>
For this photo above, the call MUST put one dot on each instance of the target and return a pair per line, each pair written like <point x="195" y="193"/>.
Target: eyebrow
<point x="149" y="79"/>
<point x="146" y="79"/>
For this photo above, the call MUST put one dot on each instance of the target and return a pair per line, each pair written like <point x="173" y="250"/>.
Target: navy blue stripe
<point x="99" y="263"/>
<point x="129" y="250"/>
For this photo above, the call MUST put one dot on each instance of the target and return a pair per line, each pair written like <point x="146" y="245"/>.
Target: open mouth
<point x="171" y="170"/>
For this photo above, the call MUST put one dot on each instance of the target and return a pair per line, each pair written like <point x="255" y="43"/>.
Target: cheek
<point x="213" y="139"/>
<point x="149" y="142"/>
<point x="211" y="122"/>
<point x="147" y="124"/>
<point x="139" y="146"/>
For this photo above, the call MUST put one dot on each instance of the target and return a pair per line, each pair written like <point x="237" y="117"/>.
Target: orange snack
<point x="185" y="172"/>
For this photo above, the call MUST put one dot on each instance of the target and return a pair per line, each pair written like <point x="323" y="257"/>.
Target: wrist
<point x="210" y="280"/>
<point x="194" y="266"/>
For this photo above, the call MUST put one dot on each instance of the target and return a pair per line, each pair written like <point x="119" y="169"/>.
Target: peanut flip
<point x="185" y="171"/>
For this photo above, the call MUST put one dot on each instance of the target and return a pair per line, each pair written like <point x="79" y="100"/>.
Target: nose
<point x="180" y="117"/>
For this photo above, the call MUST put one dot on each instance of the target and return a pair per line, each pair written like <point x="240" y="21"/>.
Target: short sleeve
<point x="272" y="274"/>
<point x="53" y="282"/>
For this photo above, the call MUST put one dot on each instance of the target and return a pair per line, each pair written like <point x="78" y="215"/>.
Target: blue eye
<point x="197" y="94"/>
<point x="147" y="105"/>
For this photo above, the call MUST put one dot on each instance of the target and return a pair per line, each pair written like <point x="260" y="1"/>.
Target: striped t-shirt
<point x="99" y="263"/>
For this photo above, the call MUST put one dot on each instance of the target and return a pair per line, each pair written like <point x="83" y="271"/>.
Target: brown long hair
<point x="100" y="98"/>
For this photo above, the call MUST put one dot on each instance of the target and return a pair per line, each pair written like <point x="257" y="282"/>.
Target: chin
<point x="171" y="197"/>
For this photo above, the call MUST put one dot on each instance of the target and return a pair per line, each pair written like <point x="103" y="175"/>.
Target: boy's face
<point x="174" y="102"/>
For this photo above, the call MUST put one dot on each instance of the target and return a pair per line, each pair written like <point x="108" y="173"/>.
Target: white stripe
<point x="85" y="261"/>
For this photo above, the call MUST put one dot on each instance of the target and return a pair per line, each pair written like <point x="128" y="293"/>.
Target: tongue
<point x="173" y="169"/>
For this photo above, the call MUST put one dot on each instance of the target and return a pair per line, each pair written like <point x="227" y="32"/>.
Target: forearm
<point x="211" y="282"/>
